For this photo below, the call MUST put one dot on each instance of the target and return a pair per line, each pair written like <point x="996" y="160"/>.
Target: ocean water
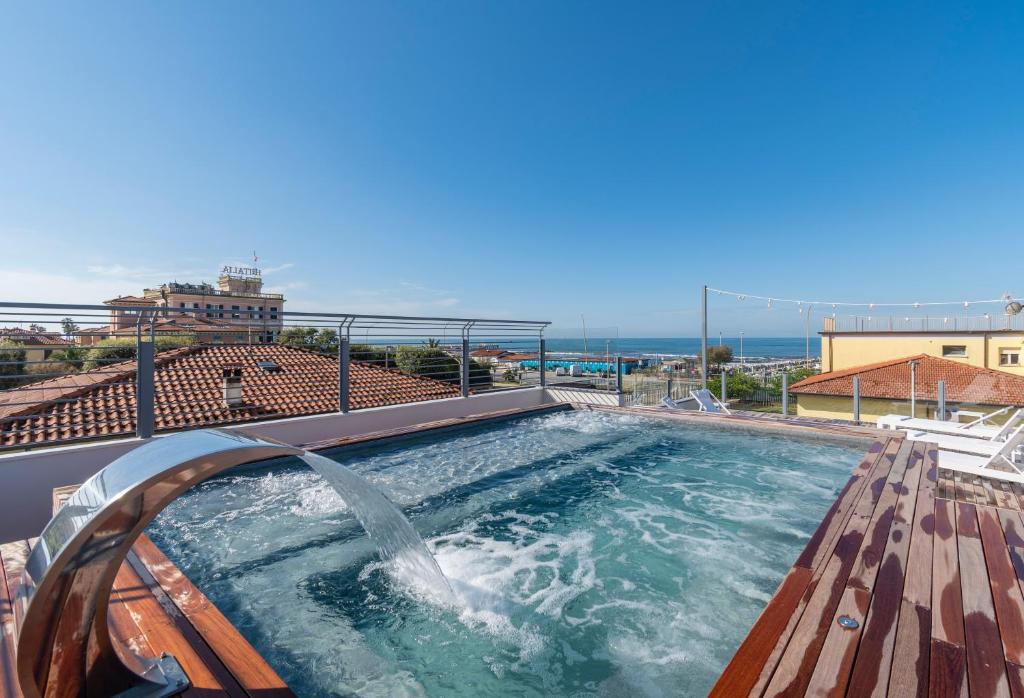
<point x="760" y="347"/>
<point x="589" y="554"/>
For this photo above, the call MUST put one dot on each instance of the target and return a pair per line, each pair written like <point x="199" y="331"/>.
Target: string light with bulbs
<point x="1012" y="306"/>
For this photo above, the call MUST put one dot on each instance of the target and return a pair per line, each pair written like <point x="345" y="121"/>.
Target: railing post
<point x="145" y="394"/>
<point x="618" y="374"/>
<point x="343" y="372"/>
<point x="725" y="381"/>
<point x="913" y="389"/>
<point x="942" y="400"/>
<point x="668" y="388"/>
<point x="465" y="367"/>
<point x="856" y="398"/>
<point x="542" y="358"/>
<point x="785" y="394"/>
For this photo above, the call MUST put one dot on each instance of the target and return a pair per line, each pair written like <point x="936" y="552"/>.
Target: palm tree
<point x="432" y="343"/>
<point x="69" y="327"/>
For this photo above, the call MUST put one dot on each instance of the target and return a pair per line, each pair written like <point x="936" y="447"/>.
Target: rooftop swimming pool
<point x="590" y="553"/>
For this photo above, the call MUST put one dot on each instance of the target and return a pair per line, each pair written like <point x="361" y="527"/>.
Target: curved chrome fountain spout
<point x="64" y="646"/>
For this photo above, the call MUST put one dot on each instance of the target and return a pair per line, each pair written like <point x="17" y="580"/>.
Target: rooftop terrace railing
<point x="75" y="372"/>
<point x="907" y="323"/>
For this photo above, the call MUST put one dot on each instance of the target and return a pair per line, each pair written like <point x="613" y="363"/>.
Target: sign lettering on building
<point x="241" y="271"/>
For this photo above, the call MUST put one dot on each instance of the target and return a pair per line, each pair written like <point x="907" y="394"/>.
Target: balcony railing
<point x="68" y="374"/>
<point x="929" y="323"/>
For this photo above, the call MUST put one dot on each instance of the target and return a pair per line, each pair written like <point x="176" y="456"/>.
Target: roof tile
<point x="890" y="380"/>
<point x="188" y="393"/>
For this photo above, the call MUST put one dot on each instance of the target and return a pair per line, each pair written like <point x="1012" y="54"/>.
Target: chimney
<point x="233" y="386"/>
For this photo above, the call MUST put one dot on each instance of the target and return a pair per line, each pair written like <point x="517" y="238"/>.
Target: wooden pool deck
<point x="930" y="568"/>
<point x="154" y="608"/>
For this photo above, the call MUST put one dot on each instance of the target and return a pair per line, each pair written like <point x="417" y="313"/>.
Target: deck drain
<point x="848" y="622"/>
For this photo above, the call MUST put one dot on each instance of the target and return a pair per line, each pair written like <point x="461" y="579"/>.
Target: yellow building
<point x="852" y="342"/>
<point x="885" y="388"/>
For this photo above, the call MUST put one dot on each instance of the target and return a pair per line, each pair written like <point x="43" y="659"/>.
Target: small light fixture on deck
<point x="848" y="622"/>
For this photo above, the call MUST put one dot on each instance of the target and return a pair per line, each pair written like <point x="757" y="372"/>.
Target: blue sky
<point x="527" y="159"/>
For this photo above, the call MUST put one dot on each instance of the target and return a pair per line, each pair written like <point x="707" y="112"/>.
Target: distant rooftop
<point x="890" y="380"/>
<point x="944" y="324"/>
<point x="189" y="385"/>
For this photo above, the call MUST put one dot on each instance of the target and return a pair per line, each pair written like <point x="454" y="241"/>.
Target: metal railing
<point x="945" y="323"/>
<point x="73" y="372"/>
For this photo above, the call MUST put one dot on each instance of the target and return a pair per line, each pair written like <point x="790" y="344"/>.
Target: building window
<point x="954" y="351"/>
<point x="234" y="312"/>
<point x="1009" y="357"/>
<point x="273" y="312"/>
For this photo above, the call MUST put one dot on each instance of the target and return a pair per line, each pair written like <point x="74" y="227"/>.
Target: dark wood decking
<point x="154" y="608"/>
<point x="932" y="569"/>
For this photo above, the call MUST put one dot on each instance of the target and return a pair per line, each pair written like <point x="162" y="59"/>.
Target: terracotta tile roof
<point x="19" y="335"/>
<point x="189" y="393"/>
<point x="186" y="323"/>
<point x="487" y="353"/>
<point x="891" y="380"/>
<point x="129" y="300"/>
<point x="519" y="357"/>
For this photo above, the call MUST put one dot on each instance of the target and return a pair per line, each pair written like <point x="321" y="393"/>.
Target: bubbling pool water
<point x="587" y="554"/>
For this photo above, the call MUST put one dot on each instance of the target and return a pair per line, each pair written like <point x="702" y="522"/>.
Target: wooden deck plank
<point x="163" y="633"/>
<point x="753" y="663"/>
<point x="764" y="652"/>
<point x="1006" y="591"/>
<point x="854" y="566"/>
<point x="8" y="673"/>
<point x="244" y="663"/>
<point x="871" y="670"/>
<point x="820" y="545"/>
<point x="747" y="664"/>
<point x="986" y="667"/>
<point x="14" y="555"/>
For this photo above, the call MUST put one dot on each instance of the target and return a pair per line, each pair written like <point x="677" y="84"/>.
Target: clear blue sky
<point x="524" y="159"/>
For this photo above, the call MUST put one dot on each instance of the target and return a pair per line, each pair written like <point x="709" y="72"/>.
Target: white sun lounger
<point x="678" y="404"/>
<point x="964" y="444"/>
<point x="953" y="456"/>
<point x="975" y="429"/>
<point x="708" y="402"/>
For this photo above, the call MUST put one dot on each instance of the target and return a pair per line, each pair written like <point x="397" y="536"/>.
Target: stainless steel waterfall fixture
<point x="64" y="646"/>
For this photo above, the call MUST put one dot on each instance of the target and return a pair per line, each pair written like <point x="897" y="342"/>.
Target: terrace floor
<point x="930" y="567"/>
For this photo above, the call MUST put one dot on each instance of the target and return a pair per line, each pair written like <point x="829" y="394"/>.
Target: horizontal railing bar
<point x="160" y="309"/>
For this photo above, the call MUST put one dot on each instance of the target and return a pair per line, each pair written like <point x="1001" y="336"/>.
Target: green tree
<point x="71" y="357"/>
<point x="123" y="349"/>
<point x="12" y="365"/>
<point x="432" y="343"/>
<point x="324" y="340"/>
<point x="378" y="356"/>
<point x="719" y="355"/>
<point x="480" y="377"/>
<point x="741" y="386"/>
<point x="795" y="375"/>
<point x="69" y="327"/>
<point x="428" y="362"/>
